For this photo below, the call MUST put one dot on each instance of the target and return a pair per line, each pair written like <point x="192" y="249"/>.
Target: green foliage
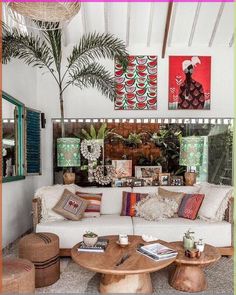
<point x="102" y="133"/>
<point x="133" y="140"/>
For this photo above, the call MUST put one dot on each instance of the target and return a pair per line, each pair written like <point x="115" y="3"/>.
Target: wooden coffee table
<point x="132" y="276"/>
<point x="188" y="275"/>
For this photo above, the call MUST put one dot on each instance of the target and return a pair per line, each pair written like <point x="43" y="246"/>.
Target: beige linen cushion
<point x="164" y="194"/>
<point x="154" y="209"/>
<point x="215" y="202"/>
<point x="71" y="206"/>
<point x="49" y="196"/>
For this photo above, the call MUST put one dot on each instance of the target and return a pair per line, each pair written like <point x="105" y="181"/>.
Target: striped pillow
<point x="190" y="206"/>
<point x="94" y="203"/>
<point x="129" y="200"/>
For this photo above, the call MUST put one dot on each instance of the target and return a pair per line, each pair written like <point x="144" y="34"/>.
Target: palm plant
<point x="82" y="69"/>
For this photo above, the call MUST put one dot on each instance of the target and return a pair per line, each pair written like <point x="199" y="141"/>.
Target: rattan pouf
<point x="43" y="250"/>
<point x="18" y="276"/>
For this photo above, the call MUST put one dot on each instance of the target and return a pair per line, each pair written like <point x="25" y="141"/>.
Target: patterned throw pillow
<point x="190" y="206"/>
<point x="70" y="206"/>
<point x="129" y="201"/>
<point x="94" y="203"/>
<point x="170" y="195"/>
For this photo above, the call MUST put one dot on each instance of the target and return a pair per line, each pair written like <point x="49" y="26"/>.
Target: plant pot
<point x="188" y="243"/>
<point x="90" y="241"/>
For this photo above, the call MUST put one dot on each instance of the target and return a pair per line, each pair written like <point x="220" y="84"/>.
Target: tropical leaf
<point x="93" y="75"/>
<point x="93" y="132"/>
<point x="95" y="46"/>
<point x="86" y="134"/>
<point x="102" y="130"/>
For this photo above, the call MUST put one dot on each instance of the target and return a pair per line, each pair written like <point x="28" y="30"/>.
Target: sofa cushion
<point x="215" y="202"/>
<point x="71" y="232"/>
<point x="70" y="206"/>
<point x="171" y="196"/>
<point x="94" y="203"/>
<point x="49" y="196"/>
<point x="172" y="229"/>
<point x="129" y="200"/>
<point x="153" y="208"/>
<point x="154" y="189"/>
<point x="111" y="198"/>
<point x="190" y="206"/>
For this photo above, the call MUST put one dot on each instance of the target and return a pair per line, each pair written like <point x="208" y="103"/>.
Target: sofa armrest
<point x="36" y="208"/>
<point x="229" y="213"/>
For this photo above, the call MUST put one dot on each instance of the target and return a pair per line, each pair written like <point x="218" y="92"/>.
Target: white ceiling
<point x="192" y="24"/>
<point x="143" y="24"/>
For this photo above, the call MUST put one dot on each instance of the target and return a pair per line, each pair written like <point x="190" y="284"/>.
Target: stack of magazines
<point x="99" y="247"/>
<point x="157" y="251"/>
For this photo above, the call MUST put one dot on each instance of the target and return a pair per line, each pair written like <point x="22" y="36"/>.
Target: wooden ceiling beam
<point x="128" y="23"/>
<point x="84" y="19"/>
<point x="167" y="28"/>
<point x="151" y="15"/>
<point x="221" y="9"/>
<point x="195" y="20"/>
<point x="106" y="17"/>
<point x="231" y="42"/>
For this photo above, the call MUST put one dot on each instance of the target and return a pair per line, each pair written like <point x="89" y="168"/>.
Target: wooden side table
<point x="188" y="275"/>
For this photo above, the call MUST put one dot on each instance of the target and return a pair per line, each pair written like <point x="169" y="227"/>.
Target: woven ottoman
<point x="43" y="250"/>
<point x="18" y="276"/>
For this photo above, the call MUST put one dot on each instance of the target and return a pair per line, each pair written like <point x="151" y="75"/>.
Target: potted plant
<point x="90" y="238"/>
<point x="188" y="240"/>
<point x="134" y="139"/>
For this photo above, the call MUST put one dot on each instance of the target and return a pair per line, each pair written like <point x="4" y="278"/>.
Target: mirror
<point x="12" y="138"/>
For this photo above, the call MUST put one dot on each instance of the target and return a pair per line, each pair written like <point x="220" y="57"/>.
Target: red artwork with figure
<point x="189" y="82"/>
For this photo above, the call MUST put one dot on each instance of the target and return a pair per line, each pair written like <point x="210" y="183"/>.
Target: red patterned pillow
<point x="94" y="203"/>
<point x="190" y="205"/>
<point x="129" y="201"/>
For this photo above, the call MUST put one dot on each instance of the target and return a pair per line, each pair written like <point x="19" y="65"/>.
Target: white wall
<point x="20" y="82"/>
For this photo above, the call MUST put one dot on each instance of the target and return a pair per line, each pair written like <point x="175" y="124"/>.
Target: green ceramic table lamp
<point x="191" y="155"/>
<point x="68" y="155"/>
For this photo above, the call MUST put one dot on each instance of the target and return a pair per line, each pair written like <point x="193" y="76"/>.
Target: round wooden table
<point x="188" y="275"/>
<point x="132" y="276"/>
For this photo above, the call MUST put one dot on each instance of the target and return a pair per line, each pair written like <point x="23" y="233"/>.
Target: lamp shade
<point x="68" y="152"/>
<point x="191" y="151"/>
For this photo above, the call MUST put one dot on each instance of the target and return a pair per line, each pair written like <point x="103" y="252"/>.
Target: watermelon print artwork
<point x="136" y="88"/>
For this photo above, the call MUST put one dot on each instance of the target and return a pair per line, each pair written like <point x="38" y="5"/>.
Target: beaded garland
<point x="95" y="150"/>
<point x="100" y="177"/>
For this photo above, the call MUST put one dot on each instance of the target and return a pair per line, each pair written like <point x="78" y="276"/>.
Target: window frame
<point x="20" y="139"/>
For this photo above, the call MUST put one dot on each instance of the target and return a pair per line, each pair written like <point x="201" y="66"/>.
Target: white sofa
<point x="110" y="222"/>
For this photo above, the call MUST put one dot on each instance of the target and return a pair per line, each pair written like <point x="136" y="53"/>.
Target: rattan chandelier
<point x="50" y="15"/>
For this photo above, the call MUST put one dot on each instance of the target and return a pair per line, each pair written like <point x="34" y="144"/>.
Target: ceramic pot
<point x="188" y="243"/>
<point x="90" y="241"/>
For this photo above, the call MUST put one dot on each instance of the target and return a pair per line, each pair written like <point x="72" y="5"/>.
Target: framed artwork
<point x="123" y="168"/>
<point x="136" y="88"/>
<point x="147" y="171"/>
<point x="189" y="82"/>
<point x="177" y="180"/>
<point x="164" y="179"/>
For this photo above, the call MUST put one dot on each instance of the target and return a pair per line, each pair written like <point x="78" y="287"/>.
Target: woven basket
<point x="43" y="250"/>
<point x="46" y="11"/>
<point x="18" y="276"/>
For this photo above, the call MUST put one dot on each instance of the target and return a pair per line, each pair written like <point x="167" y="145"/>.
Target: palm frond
<point x="93" y="75"/>
<point x="31" y="49"/>
<point x="53" y="37"/>
<point x="95" y="46"/>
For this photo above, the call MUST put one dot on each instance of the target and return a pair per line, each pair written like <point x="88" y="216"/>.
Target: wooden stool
<point x="43" y="250"/>
<point x="18" y="276"/>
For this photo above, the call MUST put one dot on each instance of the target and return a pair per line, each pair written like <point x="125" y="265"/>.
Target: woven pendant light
<point x="49" y="14"/>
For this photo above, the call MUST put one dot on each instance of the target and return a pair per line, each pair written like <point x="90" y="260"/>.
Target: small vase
<point x="90" y="241"/>
<point x="188" y="243"/>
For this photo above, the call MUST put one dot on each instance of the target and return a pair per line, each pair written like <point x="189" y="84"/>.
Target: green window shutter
<point x="32" y="142"/>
